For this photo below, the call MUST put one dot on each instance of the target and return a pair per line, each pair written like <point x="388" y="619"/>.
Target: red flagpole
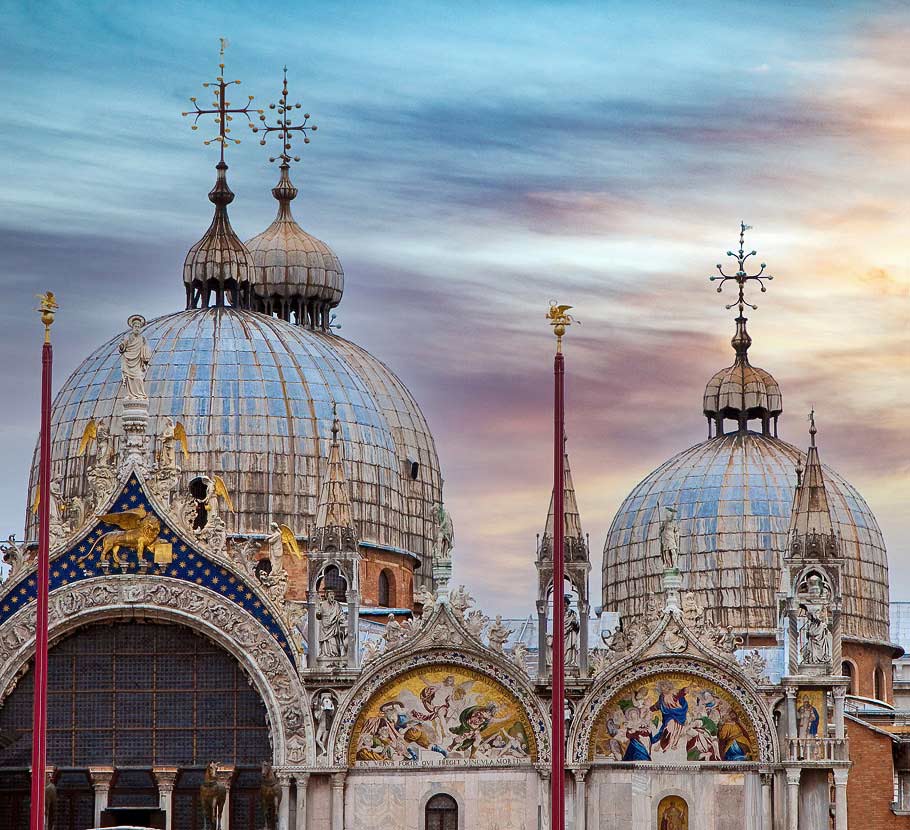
<point x="558" y="777"/>
<point x="559" y="319"/>
<point x="39" y="720"/>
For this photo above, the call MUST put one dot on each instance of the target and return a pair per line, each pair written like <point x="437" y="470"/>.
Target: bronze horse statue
<point x="212" y="794"/>
<point x="269" y="796"/>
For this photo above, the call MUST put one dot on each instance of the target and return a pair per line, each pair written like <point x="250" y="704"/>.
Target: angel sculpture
<point x="208" y="506"/>
<point x="427" y="601"/>
<point x="172" y="433"/>
<point x="281" y="539"/>
<point x="138" y="531"/>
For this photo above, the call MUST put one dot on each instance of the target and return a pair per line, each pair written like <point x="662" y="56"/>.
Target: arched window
<point x="879" y="683"/>
<point x="846" y="669"/>
<point x="386" y="593"/>
<point x="441" y="813"/>
<point x="332" y="580"/>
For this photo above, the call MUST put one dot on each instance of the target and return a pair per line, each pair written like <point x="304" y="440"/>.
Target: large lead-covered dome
<point x="734" y="494"/>
<point x="255" y="395"/>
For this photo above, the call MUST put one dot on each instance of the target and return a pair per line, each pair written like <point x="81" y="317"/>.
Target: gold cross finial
<point x="221" y="108"/>
<point x="741" y="277"/>
<point x="283" y="128"/>
<point x="560" y="320"/>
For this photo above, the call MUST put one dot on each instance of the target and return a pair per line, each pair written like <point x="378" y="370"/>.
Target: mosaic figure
<point x="442" y="713"/>
<point x="673" y="718"/>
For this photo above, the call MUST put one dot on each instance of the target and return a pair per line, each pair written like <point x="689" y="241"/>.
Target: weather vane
<point x="284" y="129"/>
<point x="221" y="108"/>
<point x="741" y="277"/>
<point x="560" y="319"/>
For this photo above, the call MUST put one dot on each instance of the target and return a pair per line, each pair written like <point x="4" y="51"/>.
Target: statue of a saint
<point x="135" y="356"/>
<point x="460" y="600"/>
<point x="669" y="539"/>
<point x="393" y="633"/>
<point x="275" y="544"/>
<point x="571" y="627"/>
<point x="323" y="714"/>
<point x="445" y="535"/>
<point x="333" y="635"/>
<point x="498" y="634"/>
<point x="816" y="635"/>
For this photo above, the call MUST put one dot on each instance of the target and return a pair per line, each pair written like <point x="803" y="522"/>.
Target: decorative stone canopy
<point x="296" y="276"/>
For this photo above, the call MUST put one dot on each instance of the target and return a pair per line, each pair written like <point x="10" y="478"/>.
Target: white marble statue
<point x="498" y="634"/>
<point x="669" y="539"/>
<point x="323" y="715"/>
<point x="445" y="535"/>
<point x="815" y="634"/>
<point x="393" y="633"/>
<point x="333" y="635"/>
<point x="460" y="600"/>
<point x="571" y="629"/>
<point x="135" y="356"/>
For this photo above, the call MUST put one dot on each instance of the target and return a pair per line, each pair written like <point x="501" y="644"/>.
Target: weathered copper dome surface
<point x="255" y="395"/>
<point x="734" y="494"/>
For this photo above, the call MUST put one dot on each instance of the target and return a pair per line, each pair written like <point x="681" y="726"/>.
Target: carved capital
<point x="338" y="780"/>
<point x="840" y="776"/>
<point x="165" y="778"/>
<point x="101" y="777"/>
<point x="793" y="776"/>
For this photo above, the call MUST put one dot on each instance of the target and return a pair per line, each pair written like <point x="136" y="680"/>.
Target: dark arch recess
<point x="139" y="694"/>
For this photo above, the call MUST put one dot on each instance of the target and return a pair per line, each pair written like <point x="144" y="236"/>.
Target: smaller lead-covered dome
<point x="296" y="276"/>
<point x="742" y="392"/>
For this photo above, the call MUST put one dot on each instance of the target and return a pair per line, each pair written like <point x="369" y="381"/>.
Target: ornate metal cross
<point x="741" y="277"/>
<point x="221" y="108"/>
<point x="284" y="129"/>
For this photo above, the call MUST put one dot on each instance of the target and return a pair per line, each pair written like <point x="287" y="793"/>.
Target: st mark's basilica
<point x="250" y="583"/>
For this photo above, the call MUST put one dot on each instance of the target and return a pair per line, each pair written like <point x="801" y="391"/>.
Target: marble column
<point x="793" y="797"/>
<point x="338" y="800"/>
<point x="767" y="804"/>
<point x="312" y="643"/>
<point x="225" y="775"/>
<point x="543" y="798"/>
<point x="840" y="694"/>
<point x="165" y="778"/>
<point x="792" y="725"/>
<point x="542" y="670"/>
<point x="303" y="781"/>
<point x="101" y="784"/>
<point x="284" y="806"/>
<point x="580" y="811"/>
<point x="583" y="610"/>
<point x="840" y="798"/>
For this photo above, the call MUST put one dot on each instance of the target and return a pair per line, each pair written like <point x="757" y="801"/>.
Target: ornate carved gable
<point x="132" y="535"/>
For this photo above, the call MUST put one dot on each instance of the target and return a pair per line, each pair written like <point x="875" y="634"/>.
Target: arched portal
<point x="441" y="813"/>
<point x="135" y="697"/>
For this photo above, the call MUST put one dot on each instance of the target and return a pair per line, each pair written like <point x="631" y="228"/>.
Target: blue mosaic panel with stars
<point x="84" y="562"/>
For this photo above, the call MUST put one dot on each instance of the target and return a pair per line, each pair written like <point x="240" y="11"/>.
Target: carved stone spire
<point x="576" y="543"/>
<point x="811" y="529"/>
<point x="334" y="528"/>
<point x="577" y="568"/>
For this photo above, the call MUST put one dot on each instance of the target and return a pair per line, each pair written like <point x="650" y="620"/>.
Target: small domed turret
<point x="295" y="276"/>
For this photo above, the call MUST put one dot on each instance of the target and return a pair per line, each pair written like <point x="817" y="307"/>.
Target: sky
<point x="474" y="160"/>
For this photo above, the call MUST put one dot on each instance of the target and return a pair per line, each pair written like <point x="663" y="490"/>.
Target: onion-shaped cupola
<point x="742" y="392"/>
<point x="218" y="268"/>
<point x="296" y="276"/>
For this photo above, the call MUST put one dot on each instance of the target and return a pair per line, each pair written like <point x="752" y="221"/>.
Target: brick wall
<point x="865" y="659"/>
<point x="870" y="787"/>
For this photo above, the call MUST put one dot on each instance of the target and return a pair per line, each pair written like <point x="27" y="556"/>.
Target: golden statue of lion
<point x="139" y="531"/>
